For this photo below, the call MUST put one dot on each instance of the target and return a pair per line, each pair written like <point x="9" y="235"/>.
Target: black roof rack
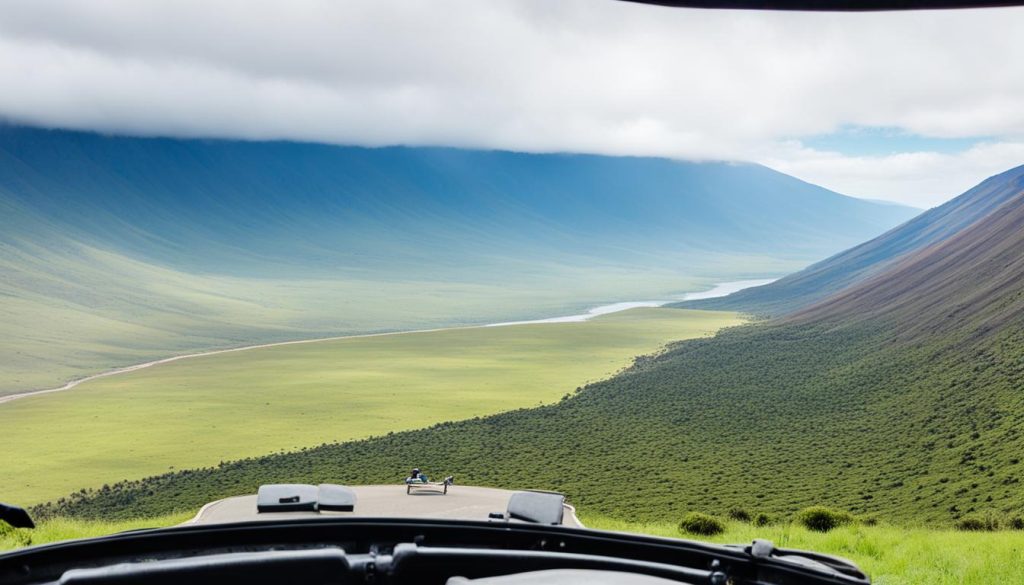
<point x="834" y="5"/>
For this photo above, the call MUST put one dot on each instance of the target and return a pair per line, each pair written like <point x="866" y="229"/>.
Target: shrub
<point x="702" y="524"/>
<point x="1017" y="523"/>
<point x="762" y="520"/>
<point x="16" y="537"/>
<point x="822" y="519"/>
<point x="978" y="523"/>
<point x="739" y="514"/>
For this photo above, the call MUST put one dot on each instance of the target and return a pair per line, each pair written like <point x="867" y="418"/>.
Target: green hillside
<point x="118" y="250"/>
<point x="902" y="400"/>
<point x="770" y="419"/>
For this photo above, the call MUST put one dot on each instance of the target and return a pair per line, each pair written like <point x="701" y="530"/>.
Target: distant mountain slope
<point x="247" y="204"/>
<point x="900" y="397"/>
<point x="859" y="263"/>
<point x="117" y="250"/>
<point x="971" y="283"/>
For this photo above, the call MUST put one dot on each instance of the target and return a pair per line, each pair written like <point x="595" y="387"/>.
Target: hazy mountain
<point x="900" y="396"/>
<point x="120" y="249"/>
<point x="252" y="207"/>
<point x="859" y="263"/>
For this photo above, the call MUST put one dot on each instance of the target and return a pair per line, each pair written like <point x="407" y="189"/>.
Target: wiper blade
<point x="833" y="5"/>
<point x="765" y="549"/>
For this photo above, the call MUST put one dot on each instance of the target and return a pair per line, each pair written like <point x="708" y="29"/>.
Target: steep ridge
<point x="119" y="250"/>
<point x="972" y="281"/>
<point x="898" y="398"/>
<point x="859" y="263"/>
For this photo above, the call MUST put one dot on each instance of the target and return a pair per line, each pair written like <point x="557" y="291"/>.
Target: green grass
<point x="58" y="529"/>
<point x="890" y="555"/>
<point x="202" y="411"/>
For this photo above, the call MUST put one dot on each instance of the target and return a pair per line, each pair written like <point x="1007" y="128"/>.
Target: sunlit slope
<point x="859" y="263"/>
<point x="205" y="410"/>
<point x="118" y="250"/>
<point x="901" y="398"/>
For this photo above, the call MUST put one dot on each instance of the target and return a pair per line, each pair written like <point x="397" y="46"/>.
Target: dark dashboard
<point x="361" y="550"/>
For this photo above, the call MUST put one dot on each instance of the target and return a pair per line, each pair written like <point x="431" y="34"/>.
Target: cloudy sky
<point x="910" y="107"/>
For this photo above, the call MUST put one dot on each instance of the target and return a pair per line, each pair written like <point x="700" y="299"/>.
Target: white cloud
<point x="581" y="75"/>
<point x="920" y="179"/>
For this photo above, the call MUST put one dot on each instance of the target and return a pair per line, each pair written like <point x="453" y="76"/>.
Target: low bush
<point x="762" y="519"/>
<point x="978" y="523"/>
<point x="1016" y="523"/>
<point x="701" y="524"/>
<point x="739" y="514"/>
<point x="822" y="519"/>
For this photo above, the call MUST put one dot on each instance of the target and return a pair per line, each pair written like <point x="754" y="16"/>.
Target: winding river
<point x="719" y="290"/>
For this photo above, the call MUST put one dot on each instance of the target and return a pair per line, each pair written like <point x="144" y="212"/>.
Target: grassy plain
<point x="200" y="411"/>
<point x="890" y="555"/>
<point x="70" y="314"/>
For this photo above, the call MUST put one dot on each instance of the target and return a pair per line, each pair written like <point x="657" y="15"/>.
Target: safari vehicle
<point x="524" y="543"/>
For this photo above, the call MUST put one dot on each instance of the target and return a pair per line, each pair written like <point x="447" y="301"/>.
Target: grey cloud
<point x="583" y="75"/>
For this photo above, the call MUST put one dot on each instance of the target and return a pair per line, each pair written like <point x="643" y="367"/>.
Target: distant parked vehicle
<point x="419" y="481"/>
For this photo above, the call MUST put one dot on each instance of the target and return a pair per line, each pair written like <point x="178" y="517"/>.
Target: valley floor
<point x="201" y="411"/>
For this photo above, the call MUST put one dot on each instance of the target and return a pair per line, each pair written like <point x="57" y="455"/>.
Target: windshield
<point x="708" y="274"/>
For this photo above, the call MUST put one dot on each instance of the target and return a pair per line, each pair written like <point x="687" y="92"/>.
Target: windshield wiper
<point x="765" y="549"/>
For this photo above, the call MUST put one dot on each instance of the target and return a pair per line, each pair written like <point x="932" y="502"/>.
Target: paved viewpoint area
<point x="388" y="501"/>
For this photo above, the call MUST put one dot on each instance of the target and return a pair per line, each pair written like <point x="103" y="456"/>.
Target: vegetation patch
<point x="701" y="524"/>
<point x="739" y="514"/>
<point x="979" y="522"/>
<point x="822" y="519"/>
